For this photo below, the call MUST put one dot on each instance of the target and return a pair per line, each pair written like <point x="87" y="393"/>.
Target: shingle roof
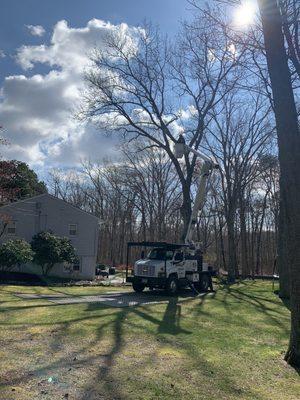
<point x="51" y="196"/>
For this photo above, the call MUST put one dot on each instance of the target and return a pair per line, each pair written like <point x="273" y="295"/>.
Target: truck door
<point x="178" y="263"/>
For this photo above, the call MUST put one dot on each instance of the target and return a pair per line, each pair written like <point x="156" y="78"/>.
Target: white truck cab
<point x="169" y="266"/>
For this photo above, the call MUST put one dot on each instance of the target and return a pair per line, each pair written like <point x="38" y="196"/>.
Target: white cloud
<point x="36" y="30"/>
<point x="70" y="47"/>
<point x="2" y="54"/>
<point x="37" y="111"/>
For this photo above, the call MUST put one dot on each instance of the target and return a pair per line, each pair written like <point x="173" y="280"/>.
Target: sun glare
<point x="244" y="15"/>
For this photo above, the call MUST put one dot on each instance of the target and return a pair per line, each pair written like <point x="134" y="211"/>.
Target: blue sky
<point x="43" y="52"/>
<point x="17" y="14"/>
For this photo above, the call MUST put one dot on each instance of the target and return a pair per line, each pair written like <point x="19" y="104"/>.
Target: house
<point x="48" y="213"/>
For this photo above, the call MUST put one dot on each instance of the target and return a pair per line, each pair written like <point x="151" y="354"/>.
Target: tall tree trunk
<point x="282" y="258"/>
<point x="243" y="228"/>
<point x="289" y="150"/>
<point x="222" y="247"/>
<point x="232" y="261"/>
<point x="258" y="266"/>
<point x="185" y="210"/>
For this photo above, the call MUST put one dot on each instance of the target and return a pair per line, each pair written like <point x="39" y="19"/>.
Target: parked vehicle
<point x="170" y="266"/>
<point x="112" y="270"/>
<point x="102" y="270"/>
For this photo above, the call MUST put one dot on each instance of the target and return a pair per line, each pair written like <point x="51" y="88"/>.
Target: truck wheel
<point x="205" y="282"/>
<point x="138" y="287"/>
<point x="172" y="285"/>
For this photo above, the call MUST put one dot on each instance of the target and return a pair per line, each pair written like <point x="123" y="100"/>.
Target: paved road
<point x="109" y="299"/>
<point x="119" y="299"/>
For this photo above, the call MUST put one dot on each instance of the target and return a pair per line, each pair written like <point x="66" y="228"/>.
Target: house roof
<point x="51" y="196"/>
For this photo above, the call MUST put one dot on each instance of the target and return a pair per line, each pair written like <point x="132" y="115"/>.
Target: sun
<point x="244" y="15"/>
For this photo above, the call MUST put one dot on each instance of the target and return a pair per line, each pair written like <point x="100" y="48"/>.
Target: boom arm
<point x="206" y="169"/>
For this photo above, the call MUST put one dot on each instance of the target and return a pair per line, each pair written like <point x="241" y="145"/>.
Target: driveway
<point x="113" y="299"/>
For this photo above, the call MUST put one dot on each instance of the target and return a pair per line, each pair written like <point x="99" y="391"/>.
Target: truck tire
<point x="205" y="282"/>
<point x="172" y="285"/>
<point x="138" y="287"/>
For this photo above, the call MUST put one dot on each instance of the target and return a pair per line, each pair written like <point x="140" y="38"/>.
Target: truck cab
<point x="169" y="266"/>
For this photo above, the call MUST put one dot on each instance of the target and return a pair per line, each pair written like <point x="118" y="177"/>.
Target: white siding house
<point x="48" y="213"/>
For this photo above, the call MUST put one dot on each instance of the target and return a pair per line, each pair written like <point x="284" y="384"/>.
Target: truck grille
<point x="146" y="270"/>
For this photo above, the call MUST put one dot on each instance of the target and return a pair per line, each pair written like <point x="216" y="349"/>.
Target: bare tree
<point x="144" y="87"/>
<point x="238" y="138"/>
<point x="151" y="175"/>
<point x="290" y="12"/>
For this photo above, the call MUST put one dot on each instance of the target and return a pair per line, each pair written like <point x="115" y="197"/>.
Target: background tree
<point x="138" y="198"/>
<point x="50" y="249"/>
<point x="5" y="194"/>
<point x="290" y="12"/>
<point x="18" y="181"/>
<point x="237" y="138"/>
<point x="8" y="189"/>
<point x="14" y="253"/>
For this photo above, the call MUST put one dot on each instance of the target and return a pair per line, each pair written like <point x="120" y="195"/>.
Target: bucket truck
<point x="170" y="266"/>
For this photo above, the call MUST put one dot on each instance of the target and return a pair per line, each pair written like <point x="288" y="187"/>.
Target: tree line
<point x="139" y="199"/>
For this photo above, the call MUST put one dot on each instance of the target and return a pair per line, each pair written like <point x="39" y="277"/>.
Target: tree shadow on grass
<point x="78" y="358"/>
<point x="103" y="374"/>
<point x="170" y="323"/>
<point x="274" y="315"/>
<point x="167" y="326"/>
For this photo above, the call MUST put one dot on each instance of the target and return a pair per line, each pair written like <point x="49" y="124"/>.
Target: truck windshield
<point x="160" y="254"/>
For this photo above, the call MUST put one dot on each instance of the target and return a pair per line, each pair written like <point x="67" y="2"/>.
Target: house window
<point x="76" y="266"/>
<point x="70" y="268"/>
<point x="11" y="228"/>
<point x="73" y="229"/>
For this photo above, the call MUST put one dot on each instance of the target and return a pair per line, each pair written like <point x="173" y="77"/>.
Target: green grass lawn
<point x="224" y="346"/>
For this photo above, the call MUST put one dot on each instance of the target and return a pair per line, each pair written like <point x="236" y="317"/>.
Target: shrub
<point x="50" y="249"/>
<point x="13" y="253"/>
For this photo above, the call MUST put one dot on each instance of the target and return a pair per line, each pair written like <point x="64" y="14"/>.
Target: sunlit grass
<point x="224" y="346"/>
